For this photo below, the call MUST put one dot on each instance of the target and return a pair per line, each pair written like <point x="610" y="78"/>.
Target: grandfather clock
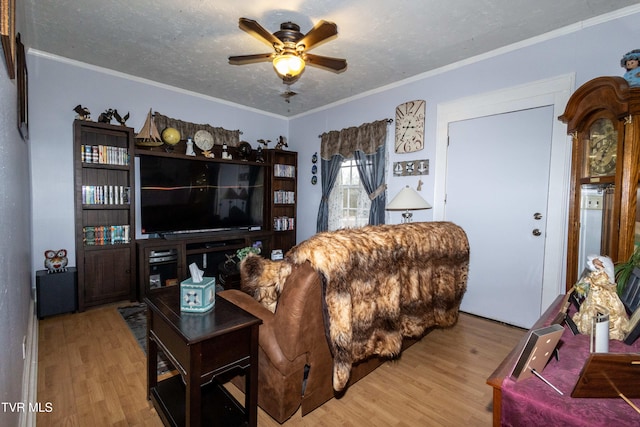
<point x="603" y="117"/>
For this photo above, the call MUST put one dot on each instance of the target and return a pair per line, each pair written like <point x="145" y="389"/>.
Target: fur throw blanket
<point x="381" y="283"/>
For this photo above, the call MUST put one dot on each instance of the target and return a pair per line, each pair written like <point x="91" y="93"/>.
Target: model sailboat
<point x="149" y="135"/>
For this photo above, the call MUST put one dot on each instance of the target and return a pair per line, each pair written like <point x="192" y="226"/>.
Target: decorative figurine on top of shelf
<point x="244" y="150"/>
<point x="259" y="154"/>
<point x="55" y="261"/>
<point x="106" y="116"/>
<point x="119" y="119"/>
<point x="170" y="136"/>
<point x="282" y="142"/>
<point x="83" y="113"/>
<point x="225" y="154"/>
<point x="190" y="151"/>
<point x="631" y="62"/>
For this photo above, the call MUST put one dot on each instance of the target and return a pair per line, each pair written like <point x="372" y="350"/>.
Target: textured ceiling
<point x="186" y="43"/>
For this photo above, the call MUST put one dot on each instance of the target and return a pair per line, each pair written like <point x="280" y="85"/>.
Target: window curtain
<point x="366" y="144"/>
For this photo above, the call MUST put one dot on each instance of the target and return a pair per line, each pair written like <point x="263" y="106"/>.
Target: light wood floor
<point x="92" y="371"/>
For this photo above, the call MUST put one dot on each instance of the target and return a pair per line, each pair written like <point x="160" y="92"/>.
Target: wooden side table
<point x="202" y="347"/>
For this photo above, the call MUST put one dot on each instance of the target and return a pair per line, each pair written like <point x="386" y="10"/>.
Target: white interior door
<point x="497" y="186"/>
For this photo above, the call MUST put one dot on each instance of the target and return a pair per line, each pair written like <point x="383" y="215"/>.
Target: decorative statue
<point x="282" y="142"/>
<point x="106" y="116"/>
<point x="55" y="261"/>
<point x="83" y="113"/>
<point x="602" y="293"/>
<point x="630" y="62"/>
<point x="259" y="154"/>
<point x="119" y="119"/>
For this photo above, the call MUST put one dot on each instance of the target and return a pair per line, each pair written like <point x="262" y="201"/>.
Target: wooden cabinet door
<point x="107" y="277"/>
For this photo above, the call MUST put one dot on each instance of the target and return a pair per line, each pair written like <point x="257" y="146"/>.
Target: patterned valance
<point x="367" y="138"/>
<point x="220" y="135"/>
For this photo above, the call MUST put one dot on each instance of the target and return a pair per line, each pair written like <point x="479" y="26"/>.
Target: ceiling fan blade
<point x="336" y="65"/>
<point x="258" y="31"/>
<point x="250" y="59"/>
<point x="321" y="32"/>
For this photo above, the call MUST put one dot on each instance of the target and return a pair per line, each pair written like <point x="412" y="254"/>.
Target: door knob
<point x="536" y="232"/>
<point x="537" y="215"/>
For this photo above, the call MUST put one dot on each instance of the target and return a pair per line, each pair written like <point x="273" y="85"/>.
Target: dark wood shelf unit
<point x="169" y="259"/>
<point x="212" y="247"/>
<point x="106" y="272"/>
<point x="284" y="237"/>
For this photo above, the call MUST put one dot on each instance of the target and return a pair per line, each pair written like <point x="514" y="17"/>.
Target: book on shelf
<point x="106" y="195"/>
<point x="104" y="154"/>
<point x="283" y="223"/>
<point x="101" y="235"/>
<point x="284" y="171"/>
<point x="284" y="197"/>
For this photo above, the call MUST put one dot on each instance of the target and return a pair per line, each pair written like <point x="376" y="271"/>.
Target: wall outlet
<point x="593" y="202"/>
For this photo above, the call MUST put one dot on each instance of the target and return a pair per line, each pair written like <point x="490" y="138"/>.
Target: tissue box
<point x="197" y="297"/>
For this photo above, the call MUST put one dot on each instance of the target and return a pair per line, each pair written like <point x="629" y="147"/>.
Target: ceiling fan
<point x="290" y="48"/>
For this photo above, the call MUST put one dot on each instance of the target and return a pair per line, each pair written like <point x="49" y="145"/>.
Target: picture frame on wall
<point x="22" y="80"/>
<point x="8" y="34"/>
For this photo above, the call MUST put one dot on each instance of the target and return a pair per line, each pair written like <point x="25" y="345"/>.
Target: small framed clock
<point x="601" y="149"/>
<point x="410" y="126"/>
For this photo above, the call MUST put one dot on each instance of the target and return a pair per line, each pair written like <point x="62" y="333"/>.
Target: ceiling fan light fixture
<point x="288" y="65"/>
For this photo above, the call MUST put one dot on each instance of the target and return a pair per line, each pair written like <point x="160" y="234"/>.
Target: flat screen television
<point x="180" y="195"/>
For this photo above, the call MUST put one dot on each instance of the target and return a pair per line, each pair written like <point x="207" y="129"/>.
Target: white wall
<point x="591" y="49"/>
<point x="57" y="85"/>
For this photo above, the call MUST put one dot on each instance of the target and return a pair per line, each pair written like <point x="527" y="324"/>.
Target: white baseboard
<point x="30" y="370"/>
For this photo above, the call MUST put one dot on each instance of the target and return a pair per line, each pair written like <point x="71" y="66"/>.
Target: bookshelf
<point x="281" y="207"/>
<point x="104" y="213"/>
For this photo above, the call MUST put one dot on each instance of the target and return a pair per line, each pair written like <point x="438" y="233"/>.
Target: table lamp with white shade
<point x="407" y="200"/>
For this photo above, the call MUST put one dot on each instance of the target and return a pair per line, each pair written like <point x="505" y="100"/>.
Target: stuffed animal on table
<point x="55" y="261"/>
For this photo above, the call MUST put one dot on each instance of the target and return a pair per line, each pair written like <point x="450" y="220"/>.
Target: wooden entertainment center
<point x="113" y="266"/>
<point x="165" y="262"/>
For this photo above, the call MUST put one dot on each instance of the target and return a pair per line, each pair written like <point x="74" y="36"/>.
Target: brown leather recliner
<point x="292" y="341"/>
<point x="392" y="282"/>
<point x="295" y="363"/>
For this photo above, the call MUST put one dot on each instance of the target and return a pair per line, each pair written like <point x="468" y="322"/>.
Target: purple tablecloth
<point x="531" y="402"/>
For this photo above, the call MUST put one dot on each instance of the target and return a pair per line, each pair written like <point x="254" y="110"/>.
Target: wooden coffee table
<point x="202" y="347"/>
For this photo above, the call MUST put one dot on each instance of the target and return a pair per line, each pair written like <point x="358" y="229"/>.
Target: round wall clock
<point x="410" y="126"/>
<point x="203" y="140"/>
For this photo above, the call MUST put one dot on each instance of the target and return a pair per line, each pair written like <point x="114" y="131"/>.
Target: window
<point x="349" y="202"/>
